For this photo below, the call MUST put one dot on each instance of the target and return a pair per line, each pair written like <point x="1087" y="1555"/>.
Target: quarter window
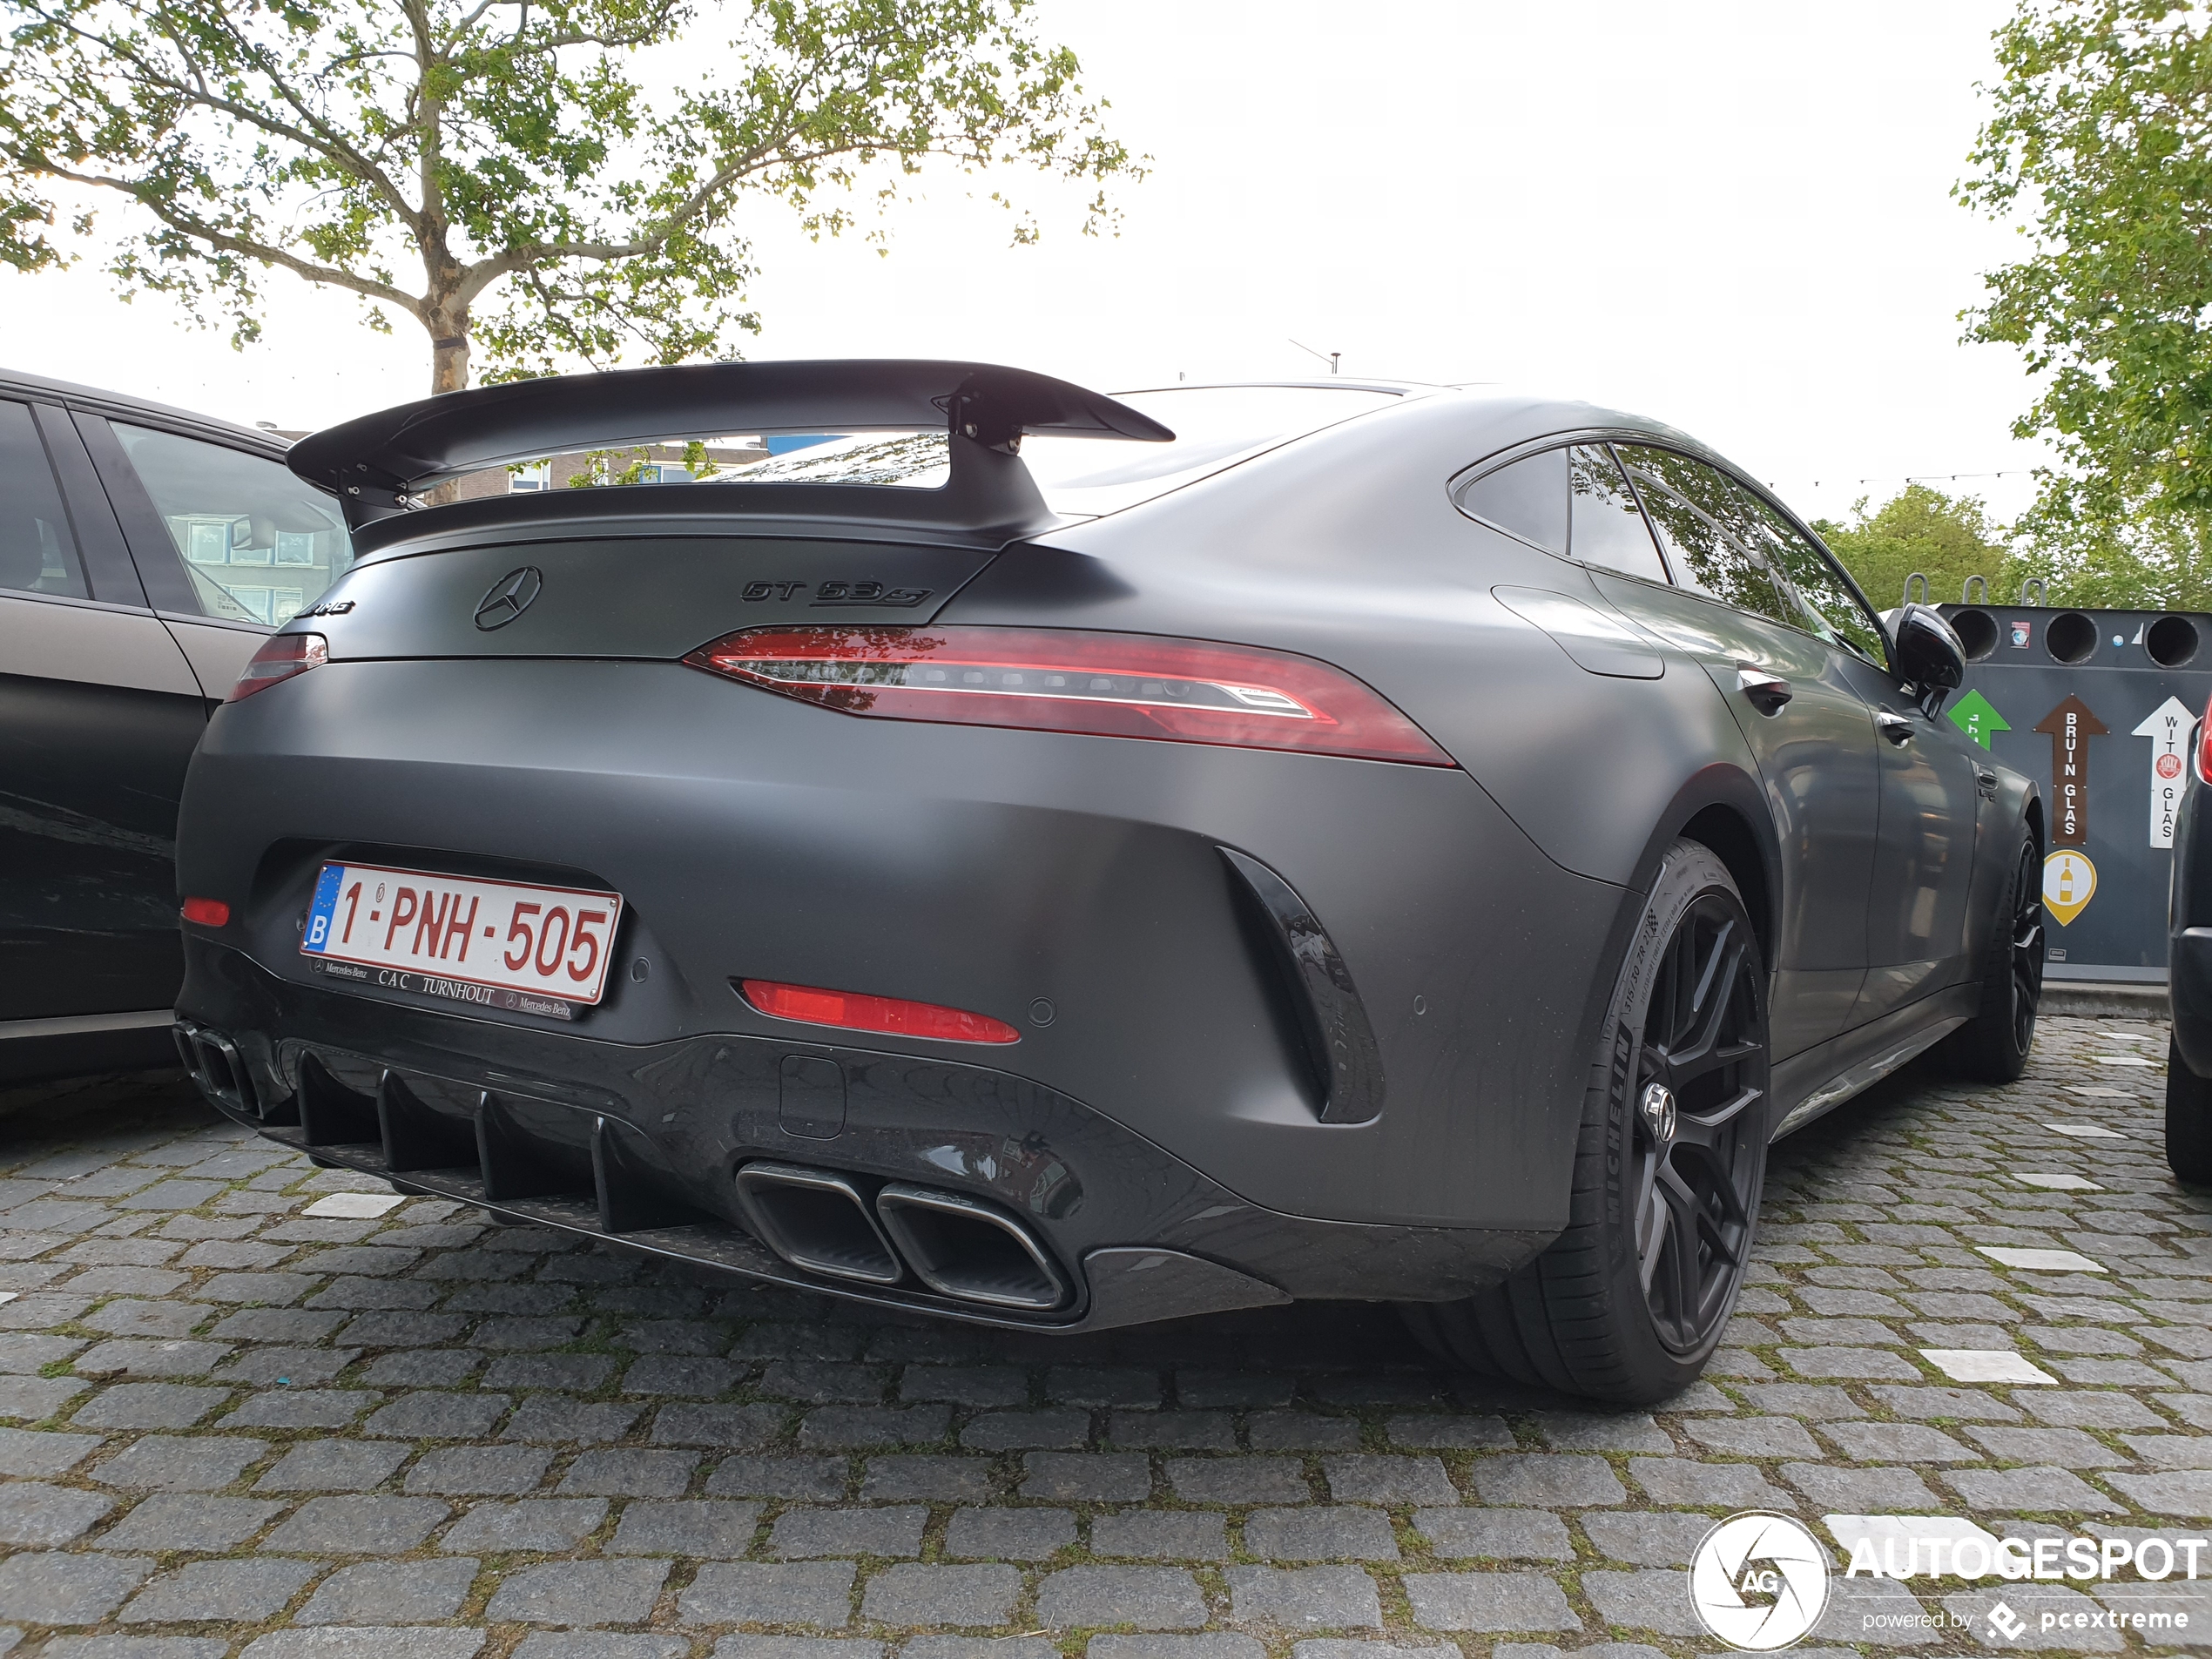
<point x="1714" y="545"/>
<point x="1608" y="528"/>
<point x="37" y="553"/>
<point x="1527" y="499"/>
<point x="258" y="544"/>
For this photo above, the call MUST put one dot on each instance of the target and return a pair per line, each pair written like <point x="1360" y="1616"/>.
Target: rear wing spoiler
<point x="377" y="463"/>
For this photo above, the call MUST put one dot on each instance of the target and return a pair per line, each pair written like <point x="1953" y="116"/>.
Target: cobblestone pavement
<point x="256" y="1411"/>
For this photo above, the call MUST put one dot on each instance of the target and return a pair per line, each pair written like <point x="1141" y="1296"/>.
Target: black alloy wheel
<point x="2028" y="947"/>
<point x="1630" y="1301"/>
<point x="1993" y="1046"/>
<point x="1700" y="1121"/>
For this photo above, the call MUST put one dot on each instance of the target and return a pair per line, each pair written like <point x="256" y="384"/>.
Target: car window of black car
<point x="1826" y="602"/>
<point x="1525" y="498"/>
<point x="1608" y="528"/>
<point x="258" y="544"/>
<point x="1701" y="521"/>
<point x="38" y="552"/>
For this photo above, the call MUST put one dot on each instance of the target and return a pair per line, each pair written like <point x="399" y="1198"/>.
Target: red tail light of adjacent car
<point x="2204" y="745"/>
<point x="281" y="655"/>
<point x="1102" y="684"/>
<point x="851" y="1011"/>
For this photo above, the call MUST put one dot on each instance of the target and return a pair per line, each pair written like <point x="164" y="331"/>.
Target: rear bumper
<point x="640" y="1146"/>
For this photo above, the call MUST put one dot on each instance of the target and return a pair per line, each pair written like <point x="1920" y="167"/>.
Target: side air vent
<point x="1339" y="1041"/>
<point x="959" y="1247"/>
<point x="816" y="1221"/>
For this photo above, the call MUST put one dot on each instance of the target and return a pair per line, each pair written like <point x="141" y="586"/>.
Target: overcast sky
<point x="1732" y="216"/>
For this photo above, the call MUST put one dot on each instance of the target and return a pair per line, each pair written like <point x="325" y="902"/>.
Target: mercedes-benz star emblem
<point x="510" y="597"/>
<point x="1658" y="1111"/>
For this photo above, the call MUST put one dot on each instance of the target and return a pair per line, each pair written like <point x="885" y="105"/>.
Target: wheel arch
<point x="1723" y="808"/>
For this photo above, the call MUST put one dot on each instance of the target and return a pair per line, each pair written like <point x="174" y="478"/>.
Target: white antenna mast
<point x="1331" y="357"/>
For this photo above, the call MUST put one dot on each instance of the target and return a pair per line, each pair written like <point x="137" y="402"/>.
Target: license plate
<point x="443" y="935"/>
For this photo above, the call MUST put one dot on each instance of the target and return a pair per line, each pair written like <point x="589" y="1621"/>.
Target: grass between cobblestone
<point x="227" y="1428"/>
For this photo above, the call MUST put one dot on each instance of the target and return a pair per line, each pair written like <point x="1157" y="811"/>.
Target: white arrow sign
<point x="2167" y="728"/>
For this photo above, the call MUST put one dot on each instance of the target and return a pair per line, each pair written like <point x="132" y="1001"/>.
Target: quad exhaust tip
<point x="216" y="1065"/>
<point x="824" y="1223"/>
<point x="960" y="1248"/>
<point x="818" y="1221"/>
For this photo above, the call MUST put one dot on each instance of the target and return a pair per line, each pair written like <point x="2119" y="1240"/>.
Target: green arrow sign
<point x="1977" y="717"/>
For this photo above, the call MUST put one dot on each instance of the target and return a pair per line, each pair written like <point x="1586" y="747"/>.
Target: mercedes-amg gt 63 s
<point x="1059" y="861"/>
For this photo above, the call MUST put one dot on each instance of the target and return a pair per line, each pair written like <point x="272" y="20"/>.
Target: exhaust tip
<point x="816" y="1221"/>
<point x="960" y="1248"/>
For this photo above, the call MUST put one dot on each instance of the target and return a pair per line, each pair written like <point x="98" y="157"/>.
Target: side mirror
<point x="1929" y="656"/>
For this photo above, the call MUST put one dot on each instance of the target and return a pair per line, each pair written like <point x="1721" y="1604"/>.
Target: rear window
<point x="1215" y="427"/>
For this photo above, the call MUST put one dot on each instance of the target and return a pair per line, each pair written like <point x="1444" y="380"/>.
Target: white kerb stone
<point x="2054" y="1182"/>
<point x="2040" y="1261"/>
<point x="1986" y="1365"/>
<point x="355" y="1206"/>
<point x="2085" y="1131"/>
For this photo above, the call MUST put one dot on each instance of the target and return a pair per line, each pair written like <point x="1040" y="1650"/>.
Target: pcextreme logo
<point x="1758" y="1581"/>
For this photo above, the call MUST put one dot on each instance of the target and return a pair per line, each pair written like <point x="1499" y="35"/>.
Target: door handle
<point x="1895" y="727"/>
<point x="1767" y="693"/>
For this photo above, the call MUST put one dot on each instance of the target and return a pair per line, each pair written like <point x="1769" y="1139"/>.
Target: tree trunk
<point x="449" y="354"/>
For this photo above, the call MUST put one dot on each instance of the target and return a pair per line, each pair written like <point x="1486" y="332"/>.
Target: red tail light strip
<point x="2204" y="745"/>
<point x="1123" y="686"/>
<point x="853" y="1012"/>
<point x="281" y="655"/>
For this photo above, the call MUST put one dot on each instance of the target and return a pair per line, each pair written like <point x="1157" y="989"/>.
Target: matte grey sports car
<point x="1059" y="861"/>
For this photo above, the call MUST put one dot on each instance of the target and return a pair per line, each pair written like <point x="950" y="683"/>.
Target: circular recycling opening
<point x="1977" y="632"/>
<point x="2071" y="638"/>
<point x="2171" y="641"/>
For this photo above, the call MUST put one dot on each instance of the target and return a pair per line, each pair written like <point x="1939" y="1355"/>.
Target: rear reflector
<point x="208" y="913"/>
<point x="281" y="655"/>
<point x="891" y="1015"/>
<point x="1120" y="685"/>
<point x="2204" y="745"/>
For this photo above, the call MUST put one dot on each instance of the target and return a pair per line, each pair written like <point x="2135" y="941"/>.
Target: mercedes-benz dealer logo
<point x="510" y="597"/>
<point x="1760" y="1582"/>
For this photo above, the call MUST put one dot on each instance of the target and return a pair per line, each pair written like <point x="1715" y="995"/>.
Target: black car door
<point x="1809" y="731"/>
<point x="1918" y="922"/>
<point x="99" y="714"/>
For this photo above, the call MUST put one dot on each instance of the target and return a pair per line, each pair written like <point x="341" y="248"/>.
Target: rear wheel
<point x="1630" y="1300"/>
<point x="2189" y="1121"/>
<point x="1992" y="1048"/>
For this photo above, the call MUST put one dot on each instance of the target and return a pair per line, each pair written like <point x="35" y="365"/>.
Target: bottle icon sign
<point x="2069" y="882"/>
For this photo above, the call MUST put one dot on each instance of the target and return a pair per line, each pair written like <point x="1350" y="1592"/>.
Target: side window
<point x="38" y="552"/>
<point x="1527" y="499"/>
<point x="1608" y="528"/>
<point x="1825" y="600"/>
<point x="1702" y="521"/>
<point x="258" y="544"/>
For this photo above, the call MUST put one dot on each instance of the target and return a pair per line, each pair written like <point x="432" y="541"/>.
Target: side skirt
<point x="1823" y="1078"/>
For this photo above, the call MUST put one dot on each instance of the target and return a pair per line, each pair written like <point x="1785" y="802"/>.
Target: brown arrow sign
<point x="2071" y="725"/>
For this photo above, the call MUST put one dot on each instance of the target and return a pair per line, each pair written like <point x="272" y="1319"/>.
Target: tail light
<point x="2204" y="745"/>
<point x="281" y="655"/>
<point x="1119" y="685"/>
<point x="208" y="913"/>
<point x="854" y="1011"/>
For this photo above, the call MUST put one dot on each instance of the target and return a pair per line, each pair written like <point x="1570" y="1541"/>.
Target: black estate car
<point x="144" y="554"/>
<point x="1059" y="861"/>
